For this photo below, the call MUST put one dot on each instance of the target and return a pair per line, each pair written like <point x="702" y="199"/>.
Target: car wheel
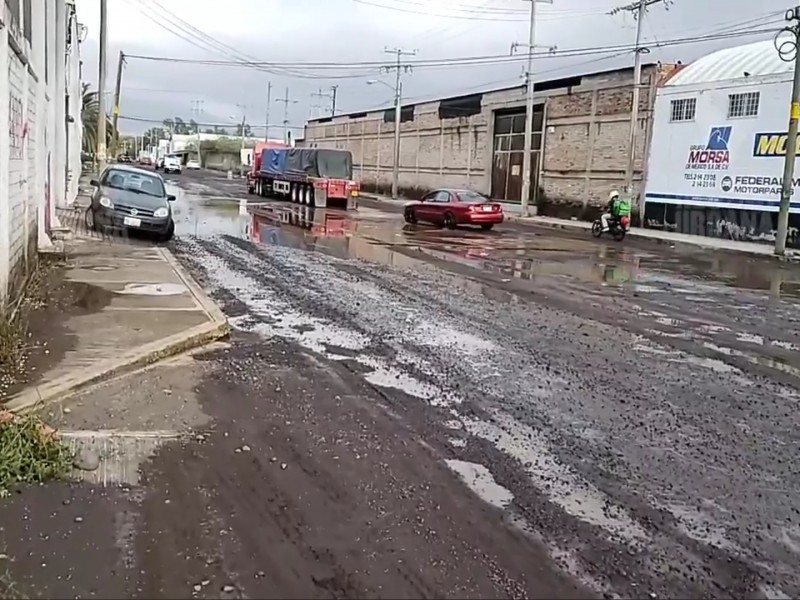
<point x="449" y="220"/>
<point x="168" y="234"/>
<point x="487" y="226"/>
<point x="409" y="216"/>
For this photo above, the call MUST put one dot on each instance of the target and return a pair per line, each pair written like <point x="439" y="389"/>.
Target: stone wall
<point x="585" y="139"/>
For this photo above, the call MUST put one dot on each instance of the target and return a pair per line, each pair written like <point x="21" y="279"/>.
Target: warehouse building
<point x="581" y="132"/>
<point x="720" y="128"/>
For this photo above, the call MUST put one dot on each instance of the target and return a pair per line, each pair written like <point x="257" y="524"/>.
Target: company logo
<point x="770" y="144"/>
<point x="714" y="154"/>
<point x="726" y="184"/>
<point x="134" y="212"/>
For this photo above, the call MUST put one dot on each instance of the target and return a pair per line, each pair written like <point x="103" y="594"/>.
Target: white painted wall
<point x="33" y="141"/>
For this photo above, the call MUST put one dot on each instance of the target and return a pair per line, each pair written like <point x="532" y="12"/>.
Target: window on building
<point x="682" y="109"/>
<point x="743" y="105"/>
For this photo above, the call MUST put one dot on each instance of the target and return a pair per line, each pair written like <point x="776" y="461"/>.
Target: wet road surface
<point x="525" y="413"/>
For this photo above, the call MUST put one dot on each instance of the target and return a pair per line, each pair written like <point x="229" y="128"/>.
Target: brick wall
<point x="586" y="136"/>
<point x="17" y="167"/>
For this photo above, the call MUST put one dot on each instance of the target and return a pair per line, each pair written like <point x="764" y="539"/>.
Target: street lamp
<point x="398" y="94"/>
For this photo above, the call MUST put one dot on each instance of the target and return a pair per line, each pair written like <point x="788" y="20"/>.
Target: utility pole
<point x="330" y="95"/>
<point x="117" y="92"/>
<point x="197" y="110"/>
<point x="286" y="102"/>
<point x="399" y="69"/>
<point x="269" y="101"/>
<point x="638" y="8"/>
<point x="101" y="84"/>
<point x="787" y="186"/>
<point x="529" y="84"/>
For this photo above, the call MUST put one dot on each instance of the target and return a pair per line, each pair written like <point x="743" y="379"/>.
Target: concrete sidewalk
<point x="512" y="213"/>
<point x="143" y="307"/>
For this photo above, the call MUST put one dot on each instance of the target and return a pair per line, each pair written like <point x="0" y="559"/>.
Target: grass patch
<point x="30" y="452"/>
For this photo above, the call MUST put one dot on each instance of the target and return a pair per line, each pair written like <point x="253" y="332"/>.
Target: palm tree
<point x="89" y="107"/>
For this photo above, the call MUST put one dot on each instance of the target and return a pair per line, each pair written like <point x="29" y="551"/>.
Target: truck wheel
<point x="309" y="195"/>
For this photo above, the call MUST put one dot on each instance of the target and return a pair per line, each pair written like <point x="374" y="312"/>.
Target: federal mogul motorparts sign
<point x="732" y="163"/>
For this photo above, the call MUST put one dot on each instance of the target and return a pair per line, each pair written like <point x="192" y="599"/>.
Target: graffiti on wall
<point x="17" y="126"/>
<point x="732" y="224"/>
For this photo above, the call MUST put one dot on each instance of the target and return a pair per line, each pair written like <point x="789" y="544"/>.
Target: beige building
<point x="581" y="125"/>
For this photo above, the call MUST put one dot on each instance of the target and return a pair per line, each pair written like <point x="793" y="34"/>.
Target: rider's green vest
<point x="622" y="207"/>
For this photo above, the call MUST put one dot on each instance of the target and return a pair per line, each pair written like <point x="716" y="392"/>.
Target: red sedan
<point x="451" y="208"/>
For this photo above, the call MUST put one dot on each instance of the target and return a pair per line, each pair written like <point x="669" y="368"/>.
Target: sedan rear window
<point x="134" y="182"/>
<point x="472" y="198"/>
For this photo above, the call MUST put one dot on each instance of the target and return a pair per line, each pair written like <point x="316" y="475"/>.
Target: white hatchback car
<point x="172" y="164"/>
<point x="192" y="164"/>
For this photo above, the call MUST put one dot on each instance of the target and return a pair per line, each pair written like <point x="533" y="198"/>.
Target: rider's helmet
<point x="613" y="196"/>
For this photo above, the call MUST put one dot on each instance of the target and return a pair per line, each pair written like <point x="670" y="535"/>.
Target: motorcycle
<point x="616" y="227"/>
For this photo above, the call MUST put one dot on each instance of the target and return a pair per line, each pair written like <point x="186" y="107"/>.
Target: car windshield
<point x="472" y="198"/>
<point x="140" y="183"/>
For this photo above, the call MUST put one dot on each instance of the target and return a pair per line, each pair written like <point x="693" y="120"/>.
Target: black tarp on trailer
<point x="319" y="162"/>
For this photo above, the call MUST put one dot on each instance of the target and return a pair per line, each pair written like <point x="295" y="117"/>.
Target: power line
<point x="160" y="123"/>
<point x="467" y="15"/>
<point x="489" y="59"/>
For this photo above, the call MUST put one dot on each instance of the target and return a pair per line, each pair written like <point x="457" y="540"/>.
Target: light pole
<point x="243" y="124"/>
<point x="398" y="96"/>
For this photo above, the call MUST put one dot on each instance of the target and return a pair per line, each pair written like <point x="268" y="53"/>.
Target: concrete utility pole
<point x="528" y="148"/>
<point x="787" y="187"/>
<point x="399" y="69"/>
<point x="269" y="101"/>
<point x="286" y="102"/>
<point x="638" y="9"/>
<point x="197" y="110"/>
<point x="101" y="85"/>
<point x="330" y="96"/>
<point x="117" y="92"/>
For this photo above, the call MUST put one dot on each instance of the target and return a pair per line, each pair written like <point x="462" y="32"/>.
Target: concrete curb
<point x="701" y="243"/>
<point x="142" y="356"/>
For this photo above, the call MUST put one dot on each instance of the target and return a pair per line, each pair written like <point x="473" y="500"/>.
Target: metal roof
<point x="756" y="60"/>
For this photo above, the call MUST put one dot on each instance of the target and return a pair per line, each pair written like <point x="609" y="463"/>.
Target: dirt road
<point x="407" y="413"/>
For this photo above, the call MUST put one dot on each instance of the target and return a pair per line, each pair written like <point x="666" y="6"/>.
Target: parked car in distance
<point x="193" y="164"/>
<point x="453" y="207"/>
<point x="172" y="164"/>
<point x="130" y="198"/>
<point x="145" y="161"/>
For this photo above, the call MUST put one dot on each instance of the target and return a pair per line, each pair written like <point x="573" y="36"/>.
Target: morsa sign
<point x="714" y="154"/>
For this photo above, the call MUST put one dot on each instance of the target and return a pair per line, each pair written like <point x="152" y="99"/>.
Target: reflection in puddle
<point x="510" y="253"/>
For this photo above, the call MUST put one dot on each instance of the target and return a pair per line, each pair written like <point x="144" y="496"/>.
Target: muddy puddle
<point x="377" y="236"/>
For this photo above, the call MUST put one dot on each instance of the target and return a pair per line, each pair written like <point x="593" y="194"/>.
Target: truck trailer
<point x="310" y="176"/>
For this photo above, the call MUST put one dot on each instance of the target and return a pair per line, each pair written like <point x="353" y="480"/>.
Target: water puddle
<point x="154" y="289"/>
<point x="565" y="488"/>
<point x="481" y="481"/>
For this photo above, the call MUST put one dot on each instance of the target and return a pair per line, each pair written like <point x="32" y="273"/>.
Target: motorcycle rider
<point x="613" y="197"/>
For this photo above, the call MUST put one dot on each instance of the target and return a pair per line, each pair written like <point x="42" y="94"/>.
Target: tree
<point x="247" y="130"/>
<point x="193" y="126"/>
<point x="90" y="106"/>
<point x="208" y="130"/>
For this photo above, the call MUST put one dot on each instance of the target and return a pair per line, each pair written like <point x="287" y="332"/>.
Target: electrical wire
<point x="160" y="122"/>
<point x="479" y="16"/>
<point x="470" y="60"/>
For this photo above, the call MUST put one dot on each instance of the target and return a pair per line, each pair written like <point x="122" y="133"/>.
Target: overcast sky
<point x="357" y="31"/>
